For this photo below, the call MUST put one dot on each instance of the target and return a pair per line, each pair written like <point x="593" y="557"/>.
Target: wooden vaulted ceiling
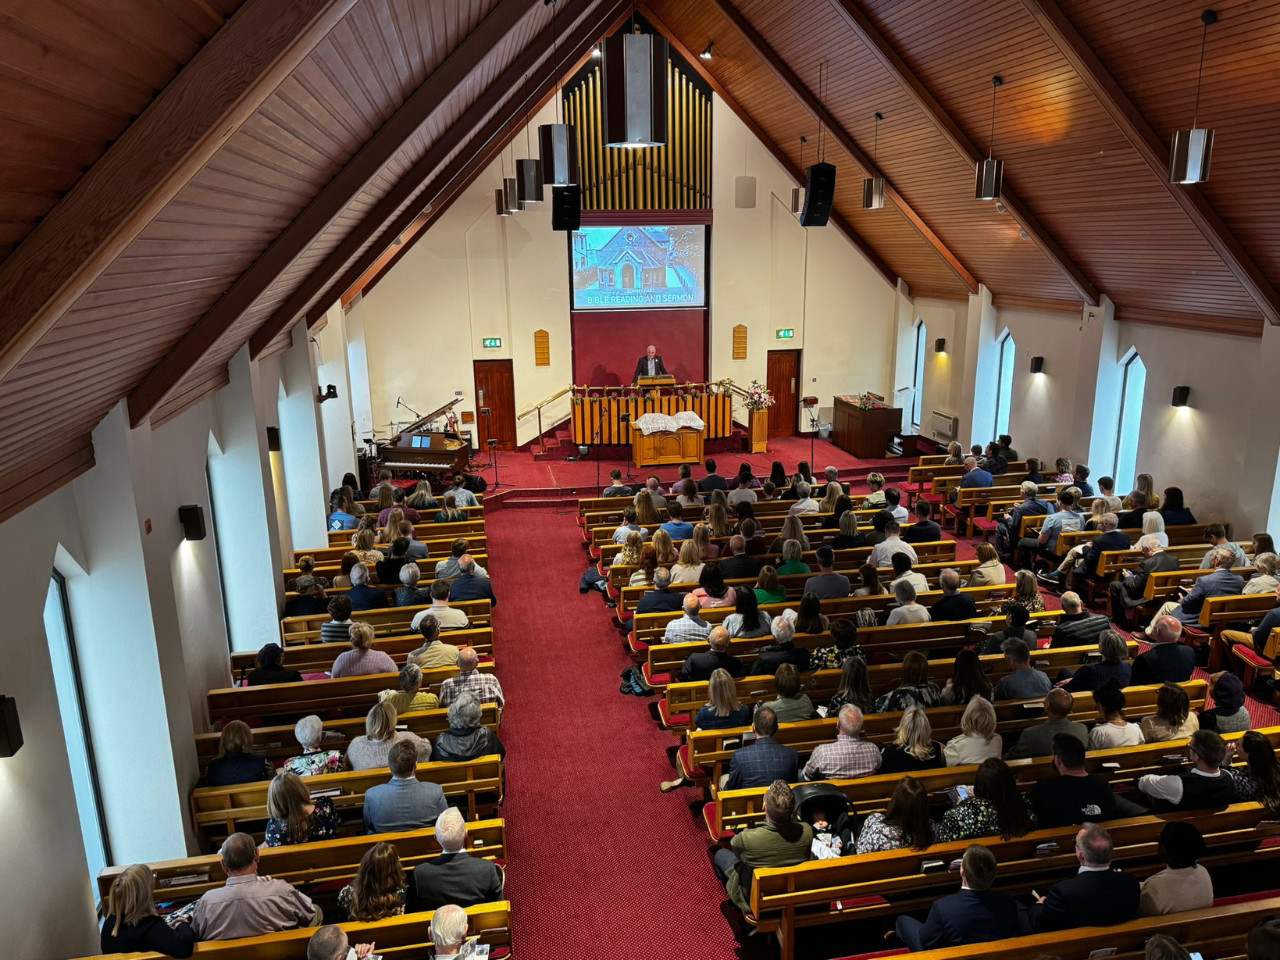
<point x="183" y="177"/>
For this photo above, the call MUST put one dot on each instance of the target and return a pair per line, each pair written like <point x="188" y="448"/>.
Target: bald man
<point x="650" y="365"/>
<point x="470" y="585"/>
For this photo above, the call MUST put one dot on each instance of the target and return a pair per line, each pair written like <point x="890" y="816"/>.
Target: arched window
<point x="917" y="374"/>
<point x="1004" y="385"/>
<point x="1131" y="391"/>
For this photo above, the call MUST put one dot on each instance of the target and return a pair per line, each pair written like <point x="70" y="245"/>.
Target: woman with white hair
<point x="1153" y="523"/>
<point x="309" y="732"/>
<point x="466" y="739"/>
<point x="907" y="611"/>
<point x="410" y="697"/>
<point x="1265" y="580"/>
<point x="409" y="594"/>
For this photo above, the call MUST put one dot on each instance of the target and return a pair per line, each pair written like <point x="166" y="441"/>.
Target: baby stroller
<point x="827" y="804"/>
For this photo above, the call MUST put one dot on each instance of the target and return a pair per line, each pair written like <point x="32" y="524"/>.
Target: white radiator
<point x="943" y="426"/>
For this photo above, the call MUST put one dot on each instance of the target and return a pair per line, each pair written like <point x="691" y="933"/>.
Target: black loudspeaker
<point x="566" y="208"/>
<point x="818" y="195"/>
<point x="191" y="517"/>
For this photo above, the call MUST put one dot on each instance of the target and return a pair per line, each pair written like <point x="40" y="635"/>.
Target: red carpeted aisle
<point x="599" y="858"/>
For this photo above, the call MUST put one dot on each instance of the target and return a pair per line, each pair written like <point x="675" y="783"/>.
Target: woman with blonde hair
<point x="378" y="890"/>
<point x="646" y="513"/>
<point x="365" y="550"/>
<point x="236" y="762"/>
<point x="294" y="816"/>
<point x="1144" y="483"/>
<point x="689" y="569"/>
<point x="913" y="746"/>
<point x="131" y="924"/>
<point x="792" y="529"/>
<point x="977" y="739"/>
<point x="422" y="497"/>
<point x="722" y="709"/>
<point x="718" y="520"/>
<point x="386" y="499"/>
<point x="371" y="751"/>
<point x="702" y="537"/>
<point x="955" y="454"/>
<point x="391" y="531"/>
<point x="1097" y="510"/>
<point x="362" y="659"/>
<point x="768" y="590"/>
<point x="643" y="574"/>
<point x="629" y="555"/>
<point x="664" y="548"/>
<point x="828" y="503"/>
<point x="450" y="513"/>
<point x="990" y="571"/>
<point x="875" y="483"/>
<point x="1026" y="594"/>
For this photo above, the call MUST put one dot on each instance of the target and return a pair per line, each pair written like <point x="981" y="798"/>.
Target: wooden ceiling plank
<point x="342" y="190"/>
<point x="897" y="67"/>
<point x="384" y="223"/>
<point x="846" y="142"/>
<point x="182" y="128"/>
<point x="1126" y="115"/>
<point x="778" y="153"/>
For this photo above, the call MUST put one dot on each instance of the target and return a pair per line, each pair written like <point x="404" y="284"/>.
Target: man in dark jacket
<point x="1167" y="660"/>
<point x="1129" y="591"/>
<point x="977" y="914"/>
<point x="1077" y="627"/>
<point x="650" y="365"/>
<point x="455" y="876"/>
<point x="1097" y="896"/>
<point x="700" y="665"/>
<point x="954" y="605"/>
<point x="784" y="651"/>
<point x="1109" y="539"/>
<point x="1009" y="530"/>
<point x="759" y="763"/>
<point x="739" y="565"/>
<point x="925" y="529"/>
<point x="660" y="599"/>
<point x="712" y="481"/>
<point x="389" y="569"/>
<point x="471" y="586"/>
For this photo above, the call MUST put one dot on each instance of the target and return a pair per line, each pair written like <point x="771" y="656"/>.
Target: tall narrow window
<point x="1004" y="385"/>
<point x="75" y="728"/>
<point x="217" y="550"/>
<point x="917" y="374"/>
<point x="1131" y="391"/>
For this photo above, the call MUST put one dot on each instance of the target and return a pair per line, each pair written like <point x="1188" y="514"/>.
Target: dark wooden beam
<point x="186" y="124"/>
<point x="331" y="202"/>
<point x="889" y="58"/>
<point x="602" y="19"/>
<point x="779" y="154"/>
<point x="1126" y="115"/>
<point x="36" y="479"/>
<point x="846" y="142"/>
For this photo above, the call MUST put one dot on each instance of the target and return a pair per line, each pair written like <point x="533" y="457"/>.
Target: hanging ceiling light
<point x="873" y="187"/>
<point x="634" y="82"/>
<point x="706" y="54"/>
<point x="557" y="142"/>
<point x="1192" y="149"/>
<point x="528" y="171"/>
<point x="797" y="194"/>
<point x="990" y="172"/>
<point x="506" y="198"/>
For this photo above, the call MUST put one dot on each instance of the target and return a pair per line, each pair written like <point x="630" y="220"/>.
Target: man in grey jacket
<point x="1037" y="741"/>
<point x="404" y="803"/>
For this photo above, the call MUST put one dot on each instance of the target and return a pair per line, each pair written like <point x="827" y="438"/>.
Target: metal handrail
<point x="538" y="406"/>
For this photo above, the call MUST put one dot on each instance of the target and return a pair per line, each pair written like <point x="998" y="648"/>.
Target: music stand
<point x="810" y="404"/>
<point x="487" y="414"/>
<point x="493" y="459"/>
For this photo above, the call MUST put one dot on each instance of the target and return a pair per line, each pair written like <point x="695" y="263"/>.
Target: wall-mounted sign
<point x="491" y="343"/>
<point x="786" y="333"/>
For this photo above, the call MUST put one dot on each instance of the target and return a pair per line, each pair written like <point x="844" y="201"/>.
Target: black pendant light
<point x="1192" y="149"/>
<point x="797" y="193"/>
<point x="990" y="172"/>
<point x="506" y="197"/>
<point x="873" y="187"/>
<point x="557" y="142"/>
<point x="634" y="81"/>
<point x="528" y="171"/>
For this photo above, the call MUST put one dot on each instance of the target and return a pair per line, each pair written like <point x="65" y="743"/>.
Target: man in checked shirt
<point x="850" y="756"/>
<point x="484" y="686"/>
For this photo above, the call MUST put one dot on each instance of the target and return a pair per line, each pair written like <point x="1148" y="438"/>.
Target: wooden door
<point x="784" y="382"/>
<point x="495" y="389"/>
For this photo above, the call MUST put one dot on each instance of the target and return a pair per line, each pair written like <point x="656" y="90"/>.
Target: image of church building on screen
<point x="641" y="262"/>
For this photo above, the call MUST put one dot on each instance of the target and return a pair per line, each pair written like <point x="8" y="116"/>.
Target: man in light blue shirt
<point x="462" y="497"/>
<point x="1065" y="520"/>
<point x="676" y="527"/>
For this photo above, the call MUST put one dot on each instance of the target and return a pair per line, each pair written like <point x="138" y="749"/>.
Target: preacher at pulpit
<point x="650" y="365"/>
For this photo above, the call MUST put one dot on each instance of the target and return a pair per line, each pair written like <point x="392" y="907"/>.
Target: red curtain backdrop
<point x="607" y="344"/>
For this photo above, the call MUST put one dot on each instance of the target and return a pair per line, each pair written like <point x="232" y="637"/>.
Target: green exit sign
<point x="786" y="333"/>
<point x="491" y="343"/>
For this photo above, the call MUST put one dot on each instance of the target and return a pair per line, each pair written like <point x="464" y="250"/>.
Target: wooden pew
<point x="1218" y="613"/>
<point x="386" y="621"/>
<point x="681" y="700"/>
<point x="331" y="569"/>
<point x="318" y="657"/>
<point x="707" y="753"/>
<point x="421" y="531"/>
<point x="278" y="743"/>
<point x="437" y="548"/>
<point x="306" y="864"/>
<point x="786" y="898"/>
<point x="405" y="936"/>
<point x="351" y="696"/>
<point x="972" y="501"/>
<point x="220" y="811"/>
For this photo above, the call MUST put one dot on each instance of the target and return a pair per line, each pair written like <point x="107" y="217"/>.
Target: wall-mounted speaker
<point x="192" y="518"/>
<point x="566" y="208"/>
<point x="819" y="194"/>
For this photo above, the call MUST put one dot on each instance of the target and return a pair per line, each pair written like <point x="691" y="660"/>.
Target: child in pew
<point x="131" y="924"/>
<point x="826" y="809"/>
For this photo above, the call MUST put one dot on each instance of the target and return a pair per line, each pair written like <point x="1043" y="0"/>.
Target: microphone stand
<point x="604" y="401"/>
<point x="813" y="433"/>
<point x="400" y="403"/>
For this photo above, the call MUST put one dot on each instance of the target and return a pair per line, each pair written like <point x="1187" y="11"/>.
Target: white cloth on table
<point x="660" y="422"/>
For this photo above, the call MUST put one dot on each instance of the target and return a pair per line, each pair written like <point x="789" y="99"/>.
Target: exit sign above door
<point x="491" y="343"/>
<point x="786" y="333"/>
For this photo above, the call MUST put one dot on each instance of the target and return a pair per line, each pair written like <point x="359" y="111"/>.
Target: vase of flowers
<point x="758" y="401"/>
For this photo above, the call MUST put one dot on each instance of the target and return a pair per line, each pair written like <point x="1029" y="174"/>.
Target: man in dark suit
<point x="1097" y="896"/>
<point x="405" y="803"/>
<point x="455" y="876"/>
<point x="1132" y="520"/>
<point x="1167" y="660"/>
<point x="660" y="599"/>
<point x="783" y="651"/>
<point x="712" y="481"/>
<point x="363" y="596"/>
<point x="700" y="665"/>
<point x="925" y="529"/>
<point x="763" y="761"/>
<point x="471" y="586"/>
<point x="954" y="605"/>
<point x="739" y="564"/>
<point x="1109" y="539"/>
<point x="1128" y="592"/>
<point x="389" y="569"/>
<point x="977" y="914"/>
<point x="650" y="365"/>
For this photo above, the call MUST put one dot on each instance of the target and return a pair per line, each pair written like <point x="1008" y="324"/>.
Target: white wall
<point x="337" y="416"/>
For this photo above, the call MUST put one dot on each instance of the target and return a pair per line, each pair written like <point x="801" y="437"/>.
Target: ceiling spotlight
<point x="706" y="54"/>
<point x="1023" y="234"/>
<point x="595" y="52"/>
<point x="990" y="172"/>
<point x="1192" y="149"/>
<point x="1000" y="207"/>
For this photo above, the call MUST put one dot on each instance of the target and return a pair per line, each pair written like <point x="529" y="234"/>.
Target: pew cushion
<point x="655" y="679"/>
<point x="985" y="525"/>
<point x="1245" y="898"/>
<point x="679" y="720"/>
<point x="1252" y="657"/>
<point x="686" y="765"/>
<point x="709" y="818"/>
<point x="877" y="954"/>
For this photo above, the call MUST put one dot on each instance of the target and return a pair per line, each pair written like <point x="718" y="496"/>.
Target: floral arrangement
<point x="759" y="397"/>
<point x="867" y="401"/>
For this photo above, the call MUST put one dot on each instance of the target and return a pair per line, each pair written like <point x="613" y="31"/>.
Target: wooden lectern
<point x="864" y="433"/>
<point x="665" y="447"/>
<point x="664" y="380"/>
